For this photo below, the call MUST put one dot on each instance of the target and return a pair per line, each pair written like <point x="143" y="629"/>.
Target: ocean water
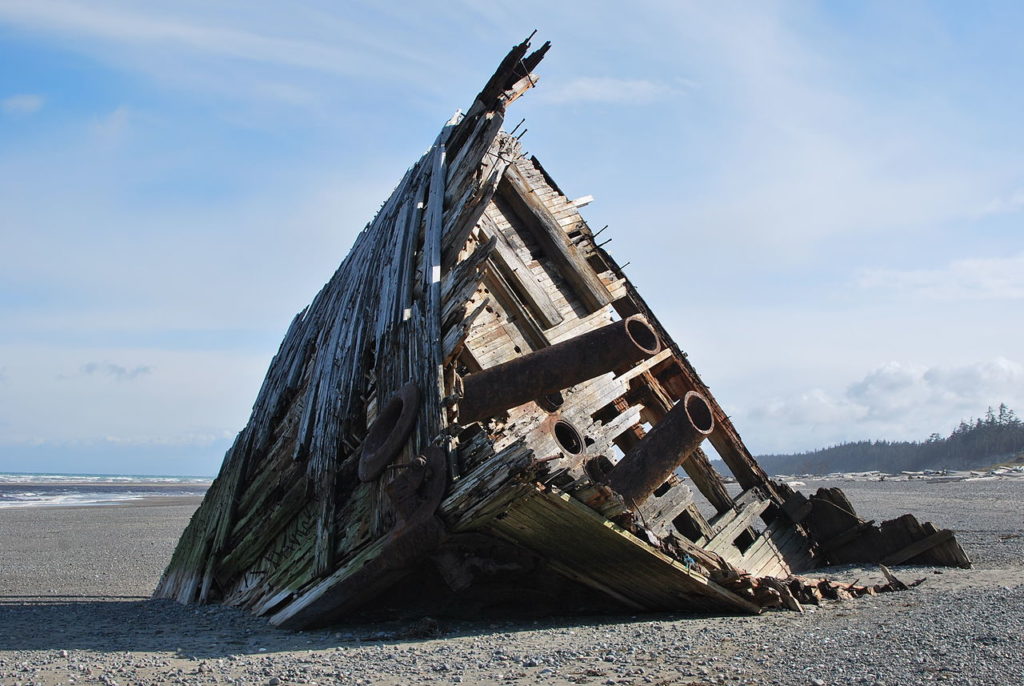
<point x="67" y="490"/>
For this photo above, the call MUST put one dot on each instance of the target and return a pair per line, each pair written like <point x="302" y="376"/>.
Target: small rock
<point x="274" y="681"/>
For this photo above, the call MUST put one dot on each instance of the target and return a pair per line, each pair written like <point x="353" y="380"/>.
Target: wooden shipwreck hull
<point x="479" y="409"/>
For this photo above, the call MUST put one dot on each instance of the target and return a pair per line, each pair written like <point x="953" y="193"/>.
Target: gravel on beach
<point x="73" y="609"/>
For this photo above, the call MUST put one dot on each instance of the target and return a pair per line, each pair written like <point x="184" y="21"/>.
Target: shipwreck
<point x="479" y="410"/>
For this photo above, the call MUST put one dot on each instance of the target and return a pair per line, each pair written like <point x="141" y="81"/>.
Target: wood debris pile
<point x="795" y="591"/>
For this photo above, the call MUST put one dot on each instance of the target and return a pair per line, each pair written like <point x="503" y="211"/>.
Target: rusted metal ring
<point x="389" y="432"/>
<point x="643" y="334"/>
<point x="699" y="412"/>
<point x="568" y="437"/>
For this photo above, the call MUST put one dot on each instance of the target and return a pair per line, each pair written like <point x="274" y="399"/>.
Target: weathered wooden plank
<point x="574" y="326"/>
<point x="519" y="315"/>
<point x="707" y="480"/>
<point x="658" y="511"/>
<point x="246" y="551"/>
<point x="732" y="525"/>
<point x="621" y="423"/>
<point x="843" y="538"/>
<point x="917" y="547"/>
<point x="767" y="549"/>
<point x="553" y="240"/>
<point x="455" y="336"/>
<point x="615" y="558"/>
<point x="522" y="279"/>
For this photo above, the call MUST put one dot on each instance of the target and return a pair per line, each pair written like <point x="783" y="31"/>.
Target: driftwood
<point x="441" y="428"/>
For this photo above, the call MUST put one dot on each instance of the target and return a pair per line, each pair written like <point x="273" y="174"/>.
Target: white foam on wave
<point x="26" y="499"/>
<point x="19" y="478"/>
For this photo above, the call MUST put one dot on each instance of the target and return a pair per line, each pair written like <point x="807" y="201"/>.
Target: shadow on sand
<point x="141" y="624"/>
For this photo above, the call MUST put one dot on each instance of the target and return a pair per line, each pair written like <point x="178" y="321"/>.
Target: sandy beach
<point x="74" y="608"/>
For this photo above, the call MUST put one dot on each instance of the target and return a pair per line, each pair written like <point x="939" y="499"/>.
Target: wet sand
<point x="74" y="608"/>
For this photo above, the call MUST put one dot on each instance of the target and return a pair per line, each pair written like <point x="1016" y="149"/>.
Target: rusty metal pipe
<point x="673" y="439"/>
<point x="549" y="370"/>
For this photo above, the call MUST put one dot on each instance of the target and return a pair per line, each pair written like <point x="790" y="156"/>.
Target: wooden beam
<point x="605" y="556"/>
<point x="519" y="276"/>
<point x="519" y="316"/>
<point x="708" y="481"/>
<point x="556" y="245"/>
<point x="917" y="547"/>
<point x="734" y="526"/>
<point x="658" y="511"/>
<point x="846" y="537"/>
<point x="797" y="506"/>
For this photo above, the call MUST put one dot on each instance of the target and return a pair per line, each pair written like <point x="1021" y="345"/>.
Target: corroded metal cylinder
<point x="648" y="465"/>
<point x="554" y="368"/>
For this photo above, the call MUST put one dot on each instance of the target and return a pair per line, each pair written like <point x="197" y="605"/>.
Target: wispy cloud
<point x="809" y="156"/>
<point x="994" y="278"/>
<point x="976" y="380"/>
<point x="807" y="409"/>
<point x="113" y="125"/>
<point x="115" y="371"/>
<point x="194" y="438"/>
<point x="897" y="391"/>
<point x="1007" y="204"/>
<point x="138" y="28"/>
<point x="22" y="103"/>
<point x="272" y="40"/>
<point x="897" y="401"/>
<point x="608" y="90"/>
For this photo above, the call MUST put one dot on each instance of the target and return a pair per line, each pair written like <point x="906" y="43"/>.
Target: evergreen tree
<point x="998" y="437"/>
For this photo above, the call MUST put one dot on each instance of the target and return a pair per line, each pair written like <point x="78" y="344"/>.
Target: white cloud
<point x="240" y="53"/>
<point x="978" y="381"/>
<point x="133" y="27"/>
<point x="182" y="439"/>
<point x="806" y="156"/>
<point x="888" y="391"/>
<point x="895" y="401"/>
<point x="113" y="125"/>
<point x="813" y="407"/>
<point x="115" y="371"/>
<point x="22" y="103"/>
<point x="994" y="278"/>
<point x="604" y="89"/>
<point x="1008" y="204"/>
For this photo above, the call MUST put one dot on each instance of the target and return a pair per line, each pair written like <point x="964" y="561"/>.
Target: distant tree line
<point x="973" y="444"/>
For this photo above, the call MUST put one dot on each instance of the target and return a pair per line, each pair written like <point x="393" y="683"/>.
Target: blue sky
<point x="822" y="201"/>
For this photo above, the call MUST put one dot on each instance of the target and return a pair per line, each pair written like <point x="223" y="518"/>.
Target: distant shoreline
<point x="60" y="491"/>
<point x="65" y="477"/>
<point x="112" y="484"/>
<point x="144" y="501"/>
